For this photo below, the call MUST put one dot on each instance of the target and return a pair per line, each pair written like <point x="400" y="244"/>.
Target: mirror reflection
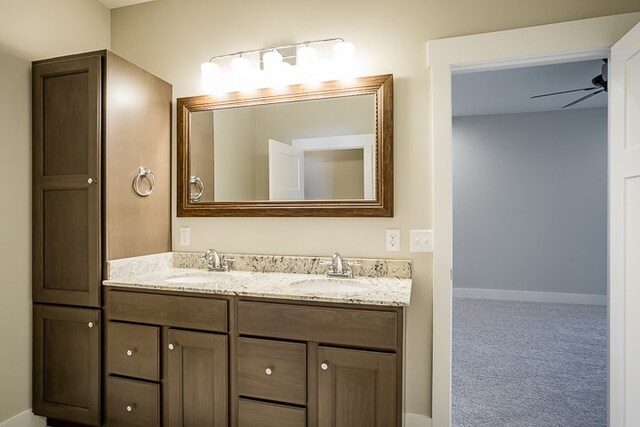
<point x="321" y="149"/>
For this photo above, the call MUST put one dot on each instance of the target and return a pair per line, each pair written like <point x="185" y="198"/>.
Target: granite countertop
<point x="303" y="287"/>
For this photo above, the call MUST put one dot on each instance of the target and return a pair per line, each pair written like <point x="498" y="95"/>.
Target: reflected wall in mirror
<point x="322" y="151"/>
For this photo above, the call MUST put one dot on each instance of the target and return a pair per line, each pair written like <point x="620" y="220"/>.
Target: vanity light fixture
<point x="280" y="66"/>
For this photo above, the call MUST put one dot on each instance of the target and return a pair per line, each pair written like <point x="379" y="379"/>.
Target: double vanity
<point x="259" y="347"/>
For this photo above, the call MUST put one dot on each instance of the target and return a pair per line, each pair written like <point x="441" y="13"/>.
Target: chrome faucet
<point x="215" y="262"/>
<point x="339" y="267"/>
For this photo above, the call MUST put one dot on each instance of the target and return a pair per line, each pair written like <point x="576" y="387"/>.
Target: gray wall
<point x="529" y="201"/>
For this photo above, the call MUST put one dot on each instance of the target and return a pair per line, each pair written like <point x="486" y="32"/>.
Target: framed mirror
<point x="322" y="150"/>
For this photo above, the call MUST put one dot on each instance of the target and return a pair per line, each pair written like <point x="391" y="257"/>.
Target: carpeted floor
<point x="520" y="364"/>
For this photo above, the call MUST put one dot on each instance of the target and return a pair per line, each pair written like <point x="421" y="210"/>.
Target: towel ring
<point x="197" y="182"/>
<point x="144" y="173"/>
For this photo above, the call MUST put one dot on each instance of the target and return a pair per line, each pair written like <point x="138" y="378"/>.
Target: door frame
<point x="554" y="43"/>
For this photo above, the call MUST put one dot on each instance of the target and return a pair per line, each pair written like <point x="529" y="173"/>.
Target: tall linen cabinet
<point x="99" y="123"/>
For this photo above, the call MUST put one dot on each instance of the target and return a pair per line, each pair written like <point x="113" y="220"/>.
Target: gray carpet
<point x="521" y="364"/>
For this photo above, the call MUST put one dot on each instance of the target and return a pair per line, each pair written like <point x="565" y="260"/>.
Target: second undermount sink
<point x="217" y="278"/>
<point x="330" y="285"/>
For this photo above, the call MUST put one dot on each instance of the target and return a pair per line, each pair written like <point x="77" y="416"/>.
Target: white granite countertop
<point x="303" y="287"/>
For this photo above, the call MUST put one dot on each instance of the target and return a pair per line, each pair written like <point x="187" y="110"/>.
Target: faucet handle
<point x="207" y="254"/>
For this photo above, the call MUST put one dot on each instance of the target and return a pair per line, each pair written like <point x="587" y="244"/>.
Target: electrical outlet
<point x="392" y="239"/>
<point x="185" y="236"/>
<point x="421" y="241"/>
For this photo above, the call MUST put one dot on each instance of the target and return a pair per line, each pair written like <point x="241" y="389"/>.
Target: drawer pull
<point x="269" y="370"/>
<point x="324" y="366"/>
<point x="131" y="407"/>
<point x="130" y="352"/>
<point x="171" y="347"/>
<point x="90" y="324"/>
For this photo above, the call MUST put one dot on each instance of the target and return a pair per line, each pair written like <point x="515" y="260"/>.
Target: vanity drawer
<point x="272" y="370"/>
<point x="133" y="350"/>
<point x="353" y="327"/>
<point x="132" y="403"/>
<point x="259" y="414"/>
<point x="207" y="314"/>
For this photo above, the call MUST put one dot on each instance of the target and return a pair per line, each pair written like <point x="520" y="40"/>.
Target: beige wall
<point x="334" y="174"/>
<point x="234" y="159"/>
<point x="29" y="29"/>
<point x="15" y="235"/>
<point x="38" y="29"/>
<point x="172" y="37"/>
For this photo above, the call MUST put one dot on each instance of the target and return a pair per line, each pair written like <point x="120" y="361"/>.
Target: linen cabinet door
<point x="67" y="267"/>
<point x="196" y="383"/>
<point x="66" y="363"/>
<point x="356" y="388"/>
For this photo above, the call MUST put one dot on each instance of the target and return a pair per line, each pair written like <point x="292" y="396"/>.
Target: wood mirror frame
<point x="382" y="206"/>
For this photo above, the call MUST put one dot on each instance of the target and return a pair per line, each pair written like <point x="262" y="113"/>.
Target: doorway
<point x="564" y="42"/>
<point x="530" y="247"/>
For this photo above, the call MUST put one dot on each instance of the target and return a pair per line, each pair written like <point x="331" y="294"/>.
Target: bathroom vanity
<point x="187" y="347"/>
<point x="161" y="341"/>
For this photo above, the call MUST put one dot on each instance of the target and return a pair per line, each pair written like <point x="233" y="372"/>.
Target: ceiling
<point x="112" y="4"/>
<point x="509" y="91"/>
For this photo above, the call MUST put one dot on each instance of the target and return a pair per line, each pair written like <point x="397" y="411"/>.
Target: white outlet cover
<point x="185" y="236"/>
<point x="421" y="240"/>
<point x="392" y="241"/>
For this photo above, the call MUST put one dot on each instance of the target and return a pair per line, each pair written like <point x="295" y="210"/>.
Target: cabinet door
<point x="356" y="388"/>
<point x="197" y="380"/>
<point x="66" y="181"/>
<point x="66" y="363"/>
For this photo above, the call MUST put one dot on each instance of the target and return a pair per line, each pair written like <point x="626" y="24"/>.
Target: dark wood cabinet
<point x="96" y="119"/>
<point x="251" y="362"/>
<point x="132" y="403"/>
<point x="66" y="369"/>
<point x="356" y="388"/>
<point x="196" y="385"/>
<point x="67" y="107"/>
<point x="350" y="357"/>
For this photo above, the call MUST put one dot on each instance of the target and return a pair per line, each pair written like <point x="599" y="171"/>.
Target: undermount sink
<point x="330" y="285"/>
<point x="210" y="278"/>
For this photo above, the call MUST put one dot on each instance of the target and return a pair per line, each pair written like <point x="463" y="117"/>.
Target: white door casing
<point x="624" y="231"/>
<point x="554" y="43"/>
<point x="286" y="172"/>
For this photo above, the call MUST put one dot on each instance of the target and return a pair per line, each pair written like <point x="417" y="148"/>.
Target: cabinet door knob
<point x="92" y="181"/>
<point x="90" y="324"/>
<point x="131" y="407"/>
<point x="324" y="366"/>
<point x="268" y="371"/>
<point x="130" y="352"/>
<point x="171" y="347"/>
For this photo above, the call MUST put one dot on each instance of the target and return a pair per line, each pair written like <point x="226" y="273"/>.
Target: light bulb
<point x="210" y="76"/>
<point x="343" y="51"/>
<point x="240" y="65"/>
<point x="209" y="70"/>
<point x="272" y="61"/>
<point x="306" y="56"/>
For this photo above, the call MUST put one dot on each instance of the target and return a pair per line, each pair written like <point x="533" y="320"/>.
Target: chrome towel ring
<point x="144" y="173"/>
<point x="197" y="182"/>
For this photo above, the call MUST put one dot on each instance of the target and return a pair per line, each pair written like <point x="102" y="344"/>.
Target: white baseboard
<point x="530" y="296"/>
<point x="415" y="420"/>
<point x="25" y="419"/>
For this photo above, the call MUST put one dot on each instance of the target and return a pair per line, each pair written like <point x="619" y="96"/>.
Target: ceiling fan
<point x="599" y="83"/>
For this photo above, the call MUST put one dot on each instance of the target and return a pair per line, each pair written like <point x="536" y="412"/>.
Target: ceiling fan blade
<point x="584" y="98"/>
<point x="564" y="91"/>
